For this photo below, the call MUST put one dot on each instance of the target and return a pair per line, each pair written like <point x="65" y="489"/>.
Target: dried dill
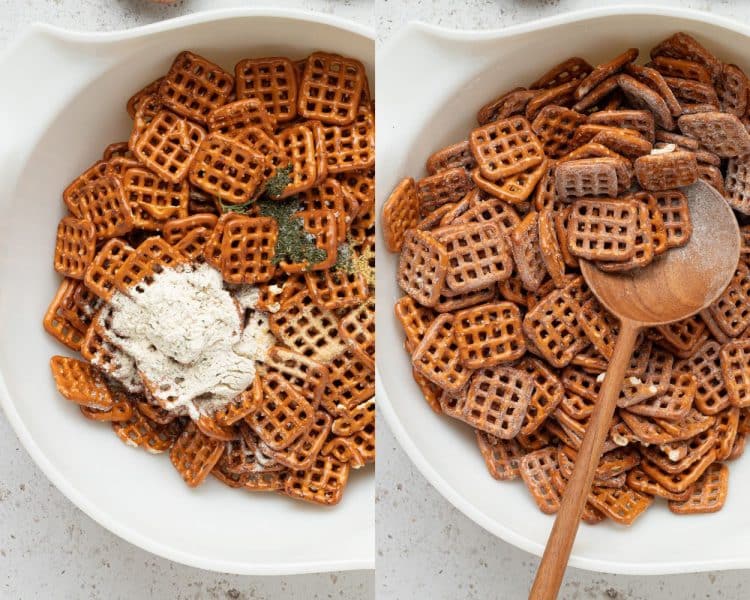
<point x="273" y="188"/>
<point x="293" y="244"/>
<point x="344" y="259"/>
<point x="365" y="265"/>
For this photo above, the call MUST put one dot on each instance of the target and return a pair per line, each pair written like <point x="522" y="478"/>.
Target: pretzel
<point x="423" y="267"/>
<point x="308" y="329"/>
<point x="447" y="186"/>
<point x="599" y="326"/>
<point x="546" y="396"/>
<point x="711" y="395"/>
<point x="502" y="457"/>
<point x="450" y="157"/>
<point x="335" y="289"/>
<point x="654" y="80"/>
<point x="694" y="449"/>
<point x="351" y="147"/>
<point x="644" y="245"/>
<point x="359" y="187"/>
<point x="237" y="119"/>
<point x="514" y="189"/>
<point x="330" y="88"/>
<point x="168" y="145"/>
<point x="194" y="87"/>
<point x="150" y="258"/>
<point x="719" y="132"/>
<point x="708" y="495"/>
<point x="357" y="329"/>
<point x="140" y="432"/>
<point x="641" y="121"/>
<point x="683" y="46"/>
<point x="679" y="482"/>
<point x="306" y="376"/>
<point x="81" y="383"/>
<point x="675" y="404"/>
<point x="653" y="383"/>
<point x="734" y="366"/>
<point x="555" y="126"/>
<point x="414" y="319"/>
<point x="505" y="148"/>
<point x="603" y="230"/>
<point x="732" y="88"/>
<point x="586" y="177"/>
<point x="72" y="193"/>
<point x="574" y="68"/>
<point x="195" y="454"/>
<point x="642" y="96"/>
<point x="641" y="482"/>
<point x="603" y="71"/>
<point x="103" y="203"/>
<point x="350" y="383"/>
<point x="271" y="80"/>
<point x="553" y="326"/>
<point x="328" y="196"/>
<point x="298" y="145"/>
<point x="122" y="410"/>
<point x="681" y="68"/>
<point x="154" y="200"/>
<point x="437" y="356"/>
<point x="560" y="95"/>
<point x="527" y="252"/>
<point x="626" y="142"/>
<point x="148" y="90"/>
<point x="248" y="249"/>
<point x="623" y="506"/>
<point x="79" y="306"/>
<point x="489" y="335"/>
<point x="537" y="469"/>
<point x="177" y="229"/>
<point x="74" y="247"/>
<point x="666" y="171"/>
<point x="611" y="465"/>
<point x="478" y="256"/>
<point x="598" y="94"/>
<point x="511" y="103"/>
<point x="675" y="212"/>
<point x="323" y="483"/>
<point x="731" y="310"/>
<point x="694" y="97"/>
<point x="693" y="424"/>
<point x="497" y="399"/>
<point x="727" y="432"/>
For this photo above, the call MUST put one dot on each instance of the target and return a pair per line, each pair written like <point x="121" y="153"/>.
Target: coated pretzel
<point x="711" y="395"/>
<point x="447" y="186"/>
<point x="537" y="469"/>
<point x="140" y="432"/>
<point x="719" y="132"/>
<point x="511" y="103"/>
<point x="478" y="256"/>
<point x="555" y="126"/>
<point x="623" y="506"/>
<point x="271" y="80"/>
<point x="415" y="319"/>
<point x="603" y="230"/>
<point x="100" y="274"/>
<point x="437" y="357"/>
<point x="681" y="68"/>
<point x="603" y="71"/>
<point x="487" y="335"/>
<point x="666" y="171"/>
<point x="502" y="457"/>
<point x="681" y="45"/>
<point x="505" y="148"/>
<point x="194" y="87"/>
<point x="737" y="184"/>
<point x="732" y="88"/>
<point x="527" y="252"/>
<point x="675" y="404"/>
<point x="641" y="121"/>
<point x="571" y="69"/>
<point x="731" y="310"/>
<point x="351" y="147"/>
<point x="194" y="455"/>
<point x="330" y="88"/>
<point x="151" y="257"/>
<point x="357" y="329"/>
<point x="586" y="177"/>
<point x="423" y="267"/>
<point x="642" y="96"/>
<point x="644" y="245"/>
<point x="735" y="358"/>
<point x="450" y="157"/>
<point x="515" y="189"/>
<point x="675" y="213"/>
<point x="546" y="396"/>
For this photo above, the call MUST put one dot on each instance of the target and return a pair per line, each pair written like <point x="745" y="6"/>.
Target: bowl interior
<point x="137" y="495"/>
<point x="439" y="111"/>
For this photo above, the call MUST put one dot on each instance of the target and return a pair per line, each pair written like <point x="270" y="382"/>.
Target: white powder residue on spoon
<point x="185" y="333"/>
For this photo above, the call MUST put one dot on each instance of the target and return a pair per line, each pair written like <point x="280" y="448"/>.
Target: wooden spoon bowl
<point x="675" y="286"/>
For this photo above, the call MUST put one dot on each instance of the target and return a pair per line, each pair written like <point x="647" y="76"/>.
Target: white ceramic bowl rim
<point x="385" y="407"/>
<point x="52" y="473"/>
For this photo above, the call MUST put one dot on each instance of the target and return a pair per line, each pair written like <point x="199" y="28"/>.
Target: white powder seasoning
<point x="184" y="331"/>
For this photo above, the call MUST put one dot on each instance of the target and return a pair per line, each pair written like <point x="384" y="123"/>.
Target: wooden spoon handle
<point x="560" y="542"/>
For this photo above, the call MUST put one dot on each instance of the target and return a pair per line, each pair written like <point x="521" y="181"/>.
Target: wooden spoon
<point x="679" y="284"/>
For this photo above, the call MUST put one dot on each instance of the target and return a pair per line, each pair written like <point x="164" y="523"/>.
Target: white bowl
<point x="64" y="101"/>
<point x="431" y="82"/>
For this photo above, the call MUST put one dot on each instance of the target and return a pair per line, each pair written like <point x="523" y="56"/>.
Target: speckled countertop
<point x="48" y="548"/>
<point x="426" y="548"/>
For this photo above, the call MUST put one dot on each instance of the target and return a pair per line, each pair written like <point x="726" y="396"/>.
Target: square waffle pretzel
<point x="351" y="147"/>
<point x="330" y="88"/>
<point x="74" y="247"/>
<point x="80" y="382"/>
<point x="668" y="458"/>
<point x="675" y="404"/>
<point x="571" y="69"/>
<point x="305" y="375"/>
<point x="154" y="200"/>
<point x="719" y="132"/>
<point x="546" y="396"/>
<point x="247" y="250"/>
<point x="323" y="483"/>
<point x="478" y="256"/>
<point x="177" y="229"/>
<point x="657" y="172"/>
<point x="328" y="195"/>
<point x="483" y="208"/>
<point x="437" y="356"/>
<point x="508" y="104"/>
<point x="334" y="289"/>
<point x="227" y="169"/>
<point x="735" y="366"/>
<point x="489" y="334"/>
<point x="442" y="188"/>
<point x="298" y="145"/>
<point x="321" y="225"/>
<point x="731" y="311"/>
<point x="308" y="329"/>
<point x="586" y="177"/>
<point x="194" y="455"/>
<point x="168" y="145"/>
<point x="708" y="495"/>
<point x="355" y="420"/>
<point x="302" y="453"/>
<point x="194" y="87"/>
<point x="555" y="126"/>
<point x="527" y="252"/>
<point x="100" y="274"/>
<point x="350" y="383"/>
<point x="423" y="267"/>
<point x="415" y="319"/>
<point x="141" y="432"/>
<point x="553" y="326"/>
<point x="400" y="213"/>
<point x="737" y="184"/>
<point x="284" y="415"/>
<point x="711" y="395"/>
<point x="537" y="469"/>
<point x="236" y="119"/>
<point x="450" y="157"/>
<point x="623" y="506"/>
<point x="151" y="257"/>
<point x="502" y="457"/>
<point x="549" y="245"/>
<point x="641" y="121"/>
<point x="357" y="329"/>
<point x="72" y="193"/>
<point x="104" y="204"/>
<point x="603" y="230"/>
<point x="271" y="80"/>
<point x="514" y="189"/>
<point x="644" y="245"/>
<point x="504" y="148"/>
<point x="497" y="400"/>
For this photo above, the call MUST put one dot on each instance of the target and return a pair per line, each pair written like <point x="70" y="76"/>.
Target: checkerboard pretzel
<point x="603" y="230"/>
<point x="330" y="88"/>
<point x="505" y="148"/>
<point x="271" y="80"/>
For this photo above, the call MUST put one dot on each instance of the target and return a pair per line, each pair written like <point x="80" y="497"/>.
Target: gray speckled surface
<point x="49" y="548"/>
<point x="427" y="548"/>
